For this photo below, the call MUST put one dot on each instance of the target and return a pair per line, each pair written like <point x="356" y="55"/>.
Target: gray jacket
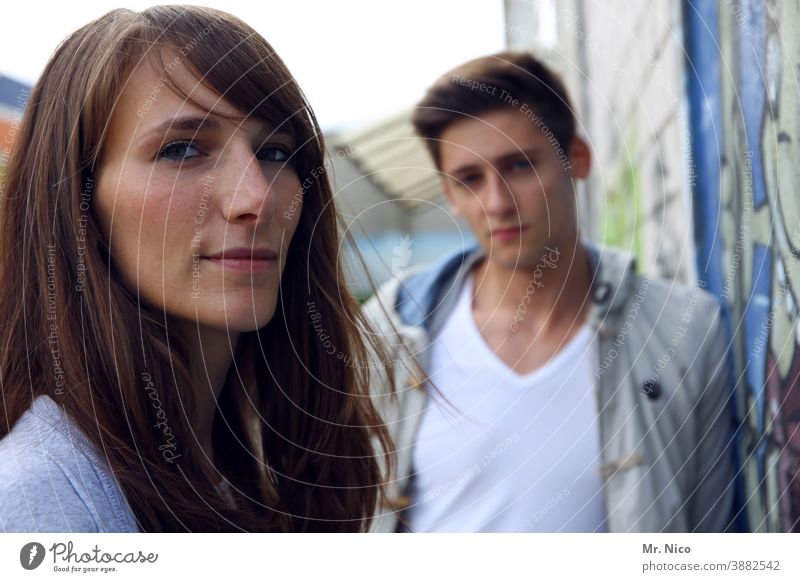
<point x="662" y="390"/>
<point x="53" y="480"/>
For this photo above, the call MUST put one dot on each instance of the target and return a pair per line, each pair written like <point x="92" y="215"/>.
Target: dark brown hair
<point x="294" y="430"/>
<point x="506" y="79"/>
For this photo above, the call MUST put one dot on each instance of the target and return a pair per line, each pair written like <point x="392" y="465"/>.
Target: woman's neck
<point x="211" y="354"/>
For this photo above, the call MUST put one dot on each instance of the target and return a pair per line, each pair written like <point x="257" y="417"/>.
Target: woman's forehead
<point x="149" y="104"/>
<point x="148" y="90"/>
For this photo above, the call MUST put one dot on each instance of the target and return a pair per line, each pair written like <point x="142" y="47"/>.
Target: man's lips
<point x="507" y="233"/>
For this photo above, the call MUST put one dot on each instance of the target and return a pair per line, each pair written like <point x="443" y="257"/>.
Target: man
<point x="541" y="384"/>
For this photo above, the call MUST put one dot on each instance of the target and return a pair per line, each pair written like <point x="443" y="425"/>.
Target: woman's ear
<point x="580" y="158"/>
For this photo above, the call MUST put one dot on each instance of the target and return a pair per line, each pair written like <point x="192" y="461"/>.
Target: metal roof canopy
<point x="394" y="158"/>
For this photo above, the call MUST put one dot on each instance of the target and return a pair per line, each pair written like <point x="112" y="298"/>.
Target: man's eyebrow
<point x="529" y="154"/>
<point x="462" y="169"/>
<point x="189" y="123"/>
<point x="516" y="154"/>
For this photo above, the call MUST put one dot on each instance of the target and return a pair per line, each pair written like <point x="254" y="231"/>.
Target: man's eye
<point x="179" y="151"/>
<point x="523" y="165"/>
<point x="275" y="154"/>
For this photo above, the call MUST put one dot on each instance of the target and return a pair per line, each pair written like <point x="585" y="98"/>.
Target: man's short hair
<point x="508" y="79"/>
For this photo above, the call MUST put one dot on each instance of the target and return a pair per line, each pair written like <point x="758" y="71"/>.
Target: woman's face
<point x="199" y="210"/>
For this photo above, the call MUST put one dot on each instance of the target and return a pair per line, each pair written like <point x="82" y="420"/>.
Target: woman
<point x="167" y="230"/>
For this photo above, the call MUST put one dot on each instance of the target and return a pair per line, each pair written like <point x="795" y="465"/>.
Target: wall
<point x="746" y="102"/>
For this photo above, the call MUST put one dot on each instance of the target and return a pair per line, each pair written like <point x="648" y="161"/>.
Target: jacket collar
<point x="426" y="298"/>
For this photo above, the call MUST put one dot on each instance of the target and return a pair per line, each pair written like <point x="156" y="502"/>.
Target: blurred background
<point x="690" y="107"/>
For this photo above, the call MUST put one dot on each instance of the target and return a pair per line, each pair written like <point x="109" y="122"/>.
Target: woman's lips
<point x="242" y="264"/>
<point x="244" y="260"/>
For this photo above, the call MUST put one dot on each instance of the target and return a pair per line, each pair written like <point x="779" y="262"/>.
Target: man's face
<point x="512" y="185"/>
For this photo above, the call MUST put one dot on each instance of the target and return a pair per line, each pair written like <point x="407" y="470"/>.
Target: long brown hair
<point x="295" y="436"/>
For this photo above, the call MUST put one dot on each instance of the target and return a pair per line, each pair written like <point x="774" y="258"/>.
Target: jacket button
<point x="601" y="293"/>
<point x="651" y="389"/>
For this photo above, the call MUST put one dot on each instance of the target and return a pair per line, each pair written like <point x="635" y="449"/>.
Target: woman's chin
<point x="233" y="319"/>
<point x="244" y="322"/>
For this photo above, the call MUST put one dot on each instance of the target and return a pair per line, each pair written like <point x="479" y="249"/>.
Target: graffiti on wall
<point x="759" y="233"/>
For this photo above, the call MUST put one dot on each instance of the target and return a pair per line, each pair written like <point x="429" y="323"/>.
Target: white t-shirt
<point x="502" y="452"/>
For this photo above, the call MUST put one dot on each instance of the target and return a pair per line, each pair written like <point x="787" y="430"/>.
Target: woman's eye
<point x="179" y="151"/>
<point x="276" y="154"/>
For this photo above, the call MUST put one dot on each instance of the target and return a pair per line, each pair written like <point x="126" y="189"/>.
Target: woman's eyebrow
<point x="189" y="123"/>
<point x="265" y="131"/>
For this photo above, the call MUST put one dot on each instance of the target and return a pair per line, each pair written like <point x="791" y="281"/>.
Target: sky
<point x="357" y="61"/>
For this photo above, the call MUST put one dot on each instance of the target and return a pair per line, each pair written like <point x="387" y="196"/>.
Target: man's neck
<point x="546" y="296"/>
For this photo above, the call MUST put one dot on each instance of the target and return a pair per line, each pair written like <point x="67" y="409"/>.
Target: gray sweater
<point x="52" y="479"/>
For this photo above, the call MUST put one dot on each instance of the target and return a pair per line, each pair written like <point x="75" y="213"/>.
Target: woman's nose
<point x="245" y="188"/>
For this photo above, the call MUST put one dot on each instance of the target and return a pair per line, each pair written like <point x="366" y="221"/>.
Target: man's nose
<point x="497" y="196"/>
